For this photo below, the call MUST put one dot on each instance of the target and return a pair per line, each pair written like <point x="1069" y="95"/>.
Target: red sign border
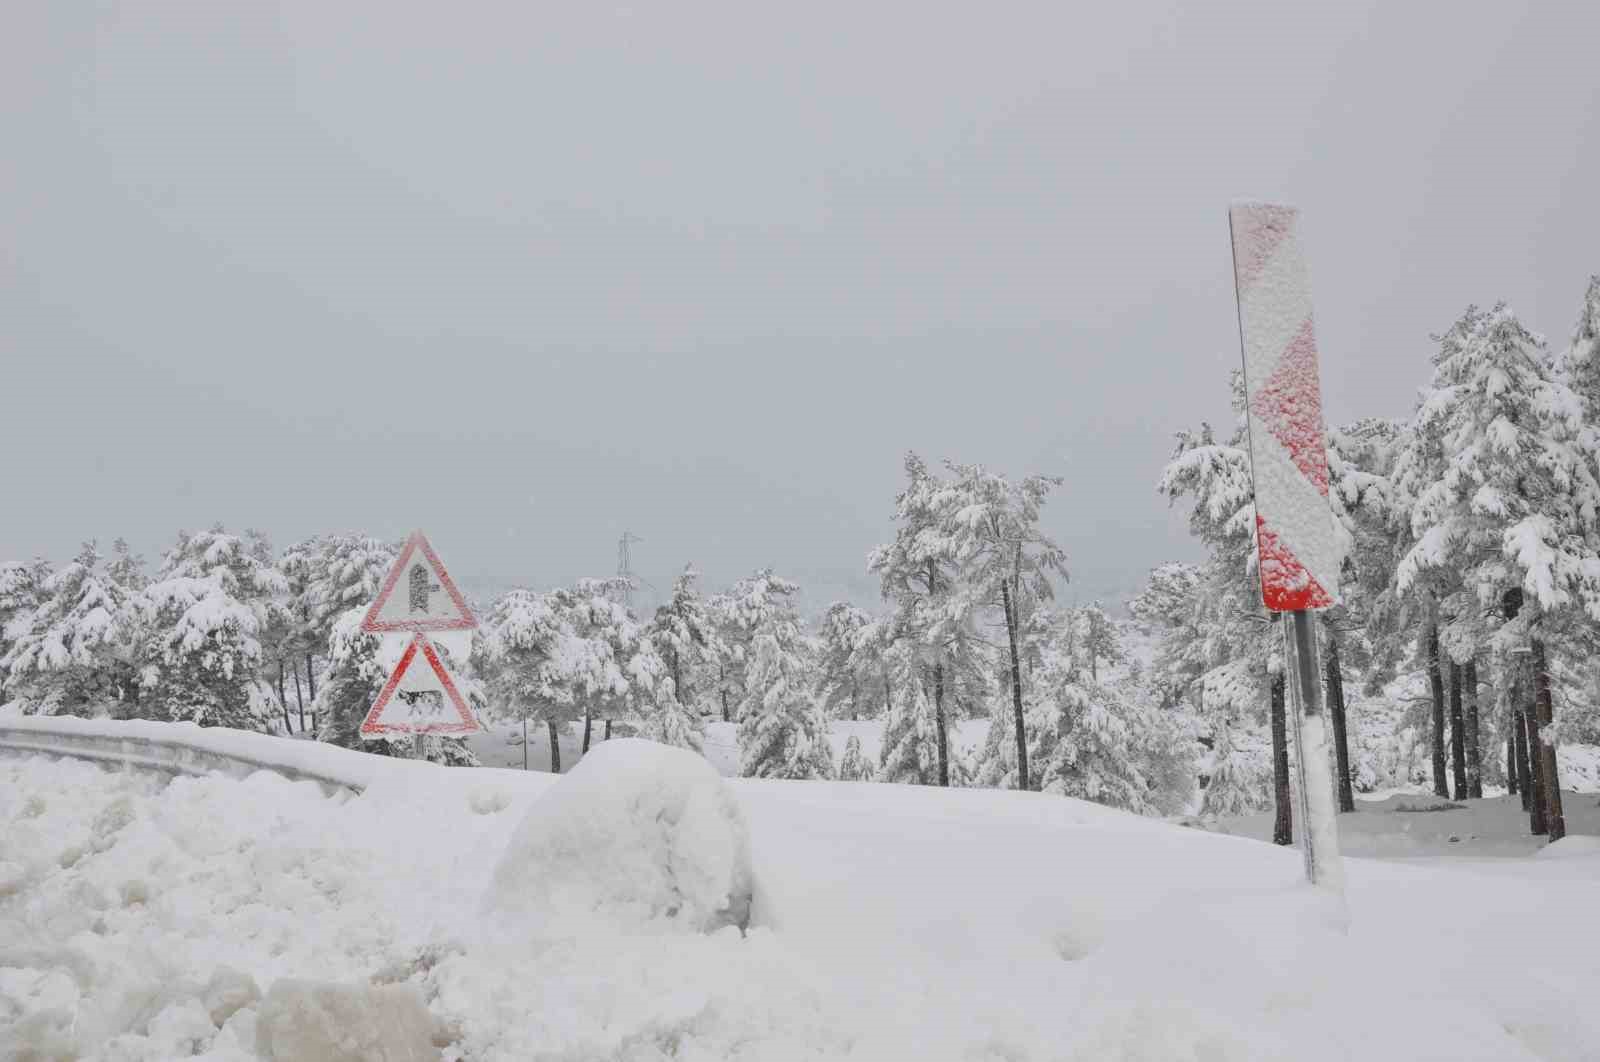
<point x="373" y="726"/>
<point x="373" y="625"/>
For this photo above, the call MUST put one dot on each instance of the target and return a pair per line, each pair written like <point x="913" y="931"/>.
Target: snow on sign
<point x="418" y="595"/>
<point x="1297" y="548"/>
<point x="419" y="698"/>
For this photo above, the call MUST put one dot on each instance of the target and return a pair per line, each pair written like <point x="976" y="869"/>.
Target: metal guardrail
<point x="188" y="750"/>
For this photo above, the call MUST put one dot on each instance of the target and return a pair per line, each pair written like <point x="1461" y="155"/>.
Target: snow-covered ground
<point x="142" y="918"/>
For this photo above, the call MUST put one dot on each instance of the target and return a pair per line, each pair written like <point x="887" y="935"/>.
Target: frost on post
<point x="1298" y="550"/>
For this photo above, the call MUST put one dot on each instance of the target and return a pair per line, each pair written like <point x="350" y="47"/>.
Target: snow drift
<point x="638" y="834"/>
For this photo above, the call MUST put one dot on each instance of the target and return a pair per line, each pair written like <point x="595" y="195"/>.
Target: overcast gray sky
<point x="526" y="275"/>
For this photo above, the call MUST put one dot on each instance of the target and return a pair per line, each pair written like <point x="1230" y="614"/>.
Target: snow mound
<point x="1570" y="847"/>
<point x="639" y="834"/>
<point x="344" y="1023"/>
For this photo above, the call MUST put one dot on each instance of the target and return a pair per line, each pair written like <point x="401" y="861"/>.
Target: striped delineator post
<point x="1296" y="545"/>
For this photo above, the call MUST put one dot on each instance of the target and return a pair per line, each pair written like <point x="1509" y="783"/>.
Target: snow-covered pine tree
<point x="1100" y="639"/>
<point x="1234" y="782"/>
<point x="21" y="592"/>
<point x="1003" y="559"/>
<point x="327" y="576"/>
<point x="685" y="636"/>
<point x="1514" y="505"/>
<point x="202" y="620"/>
<point x="354" y="678"/>
<point x="71" y="657"/>
<point x="782" y="732"/>
<point x="920" y="575"/>
<point x="126" y="568"/>
<point x="853" y="765"/>
<point x="1104" y="742"/>
<point x="1236" y="644"/>
<point x="909" y="753"/>
<point x="849" y="666"/>
<point x="1165" y="607"/>
<point x="565" y="653"/>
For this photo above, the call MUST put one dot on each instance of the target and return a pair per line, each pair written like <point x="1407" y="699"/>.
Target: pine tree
<point x="21" y="592"/>
<point x="569" y="652"/>
<point x="853" y="766"/>
<point x="327" y="576"/>
<point x="920" y="574"/>
<point x="782" y="733"/>
<point x="71" y="656"/>
<point x="1003" y="559"/>
<point x="684" y="635"/>
<point x="202" y="621"/>
<point x="1228" y="638"/>
<point x="909" y="753"/>
<point x="1234" y="783"/>
<point x="1512" y="502"/>
<point x="849" y="664"/>
<point x="1100" y="639"/>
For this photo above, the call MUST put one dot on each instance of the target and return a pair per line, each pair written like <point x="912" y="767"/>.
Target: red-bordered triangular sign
<point x="418" y="595"/>
<point x="422" y="700"/>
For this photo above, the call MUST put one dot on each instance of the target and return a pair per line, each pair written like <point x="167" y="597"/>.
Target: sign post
<point x="418" y="597"/>
<point x="1297" y="550"/>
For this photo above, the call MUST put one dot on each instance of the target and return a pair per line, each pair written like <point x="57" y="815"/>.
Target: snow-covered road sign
<point x="1297" y="547"/>
<point x="418" y="595"/>
<point x="419" y="698"/>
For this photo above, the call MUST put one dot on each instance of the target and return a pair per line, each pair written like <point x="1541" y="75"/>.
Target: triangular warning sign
<point x="419" y="700"/>
<point x="418" y="595"/>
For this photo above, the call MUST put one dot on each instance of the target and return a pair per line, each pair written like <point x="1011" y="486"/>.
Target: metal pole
<point x="417" y="752"/>
<point x="524" y="741"/>
<point x="1319" y="831"/>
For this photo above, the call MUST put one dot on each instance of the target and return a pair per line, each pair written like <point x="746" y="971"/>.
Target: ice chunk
<point x="637" y="834"/>
<point x="227" y="992"/>
<point x="344" y="1023"/>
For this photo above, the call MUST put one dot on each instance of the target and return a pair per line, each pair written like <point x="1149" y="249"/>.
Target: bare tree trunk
<point x="1511" y="758"/>
<point x="588" y="724"/>
<point x="1474" y="749"/>
<point x="938" y="697"/>
<point x="1458" y="742"/>
<point x="299" y="700"/>
<point x="1283" y="828"/>
<point x="1441" y="786"/>
<point x="678" y="691"/>
<point x="311" y="678"/>
<point x="1016" y="687"/>
<point x="1555" y="821"/>
<point x="1536" y="820"/>
<point x="1519" y="733"/>
<point x="283" y="702"/>
<point x="722" y="688"/>
<point x="555" y="746"/>
<point x="1341" y="739"/>
<point x="608" y="730"/>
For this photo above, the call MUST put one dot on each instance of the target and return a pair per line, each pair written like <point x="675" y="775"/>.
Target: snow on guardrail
<point x="187" y="748"/>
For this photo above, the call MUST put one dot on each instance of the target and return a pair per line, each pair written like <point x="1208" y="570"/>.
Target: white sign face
<point x="418" y="595"/>
<point x="419" y="698"/>
<point x="1296" y="543"/>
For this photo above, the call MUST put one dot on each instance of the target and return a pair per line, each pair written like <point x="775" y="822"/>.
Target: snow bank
<point x="638" y="833"/>
<point x="192" y="749"/>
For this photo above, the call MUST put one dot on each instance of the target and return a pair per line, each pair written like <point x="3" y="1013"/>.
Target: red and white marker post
<point x="417" y="597"/>
<point x="1297" y="548"/>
